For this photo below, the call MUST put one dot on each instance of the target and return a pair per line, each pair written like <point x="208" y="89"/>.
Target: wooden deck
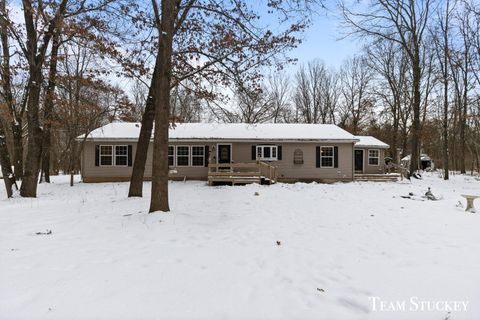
<point x="241" y="173"/>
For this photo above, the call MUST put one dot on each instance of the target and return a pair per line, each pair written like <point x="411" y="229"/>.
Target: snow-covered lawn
<point x="215" y="255"/>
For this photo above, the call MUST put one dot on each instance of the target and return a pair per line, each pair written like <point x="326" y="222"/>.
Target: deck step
<point x="377" y="177"/>
<point x="235" y="174"/>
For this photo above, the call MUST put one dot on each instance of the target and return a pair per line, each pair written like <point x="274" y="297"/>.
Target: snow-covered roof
<point x="369" y="141"/>
<point x="229" y="131"/>
<point x="423" y="157"/>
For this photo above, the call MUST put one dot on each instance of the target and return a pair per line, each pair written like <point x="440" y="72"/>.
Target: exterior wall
<point x="192" y="173"/>
<point x="290" y="172"/>
<point x="92" y="173"/>
<point x="372" y="169"/>
<point x="241" y="152"/>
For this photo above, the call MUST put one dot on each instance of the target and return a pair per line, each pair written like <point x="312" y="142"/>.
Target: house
<point x="369" y="155"/>
<point x="219" y="152"/>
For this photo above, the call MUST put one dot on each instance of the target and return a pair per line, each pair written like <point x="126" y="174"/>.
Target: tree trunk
<point x="34" y="141"/>
<point x="8" y="176"/>
<point x="17" y="148"/>
<point x="138" y="170"/>
<point x="48" y="109"/>
<point x="71" y="164"/>
<point x="16" y="122"/>
<point x="445" y="130"/>
<point x="159" y="196"/>
<point x="464" y="112"/>
<point x="477" y="159"/>
<point x="395" y="129"/>
<point x="445" y="96"/>
<point x="416" y="134"/>
<point x="35" y="56"/>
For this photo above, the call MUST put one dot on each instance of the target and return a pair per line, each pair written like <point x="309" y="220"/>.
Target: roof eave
<point x="372" y="146"/>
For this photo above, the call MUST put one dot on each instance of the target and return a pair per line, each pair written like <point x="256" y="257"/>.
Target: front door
<point x="224" y="153"/>
<point x="358" y="160"/>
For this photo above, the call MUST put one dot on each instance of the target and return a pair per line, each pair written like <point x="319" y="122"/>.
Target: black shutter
<point x="317" y="158"/>
<point x="335" y="157"/>
<point x="279" y="152"/>
<point x="129" y="155"/>
<point x="97" y="155"/>
<point x="207" y="155"/>
<point x="254" y="152"/>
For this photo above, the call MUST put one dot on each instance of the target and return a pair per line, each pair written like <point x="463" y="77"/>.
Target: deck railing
<point x="268" y="171"/>
<point x="242" y="171"/>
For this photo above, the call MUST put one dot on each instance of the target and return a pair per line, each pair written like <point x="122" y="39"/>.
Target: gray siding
<point x="371" y="169"/>
<point x="241" y="152"/>
<point x="288" y="171"/>
<point x="88" y="162"/>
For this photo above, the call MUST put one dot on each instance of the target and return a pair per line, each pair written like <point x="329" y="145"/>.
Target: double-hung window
<point x="106" y="155"/>
<point x="267" y="153"/>
<point x="326" y="157"/>
<point x="373" y="157"/>
<point x="198" y="156"/>
<point x="183" y="156"/>
<point x="121" y="156"/>
<point x="171" y="156"/>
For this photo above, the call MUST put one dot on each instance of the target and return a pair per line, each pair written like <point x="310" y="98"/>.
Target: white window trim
<point x="332" y="156"/>
<point x="100" y="156"/>
<point x="115" y="155"/>
<point x="182" y="156"/>
<point x="377" y="157"/>
<point x="191" y="156"/>
<point x="174" y="154"/>
<point x="262" y="146"/>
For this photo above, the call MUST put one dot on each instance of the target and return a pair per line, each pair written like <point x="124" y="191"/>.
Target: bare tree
<point x="404" y="22"/>
<point x="442" y="48"/>
<point x="186" y="104"/>
<point x="358" y="101"/>
<point x="254" y="105"/>
<point x="389" y="62"/>
<point x="5" y="163"/>
<point x="462" y="78"/>
<point x="316" y="93"/>
<point x="44" y="22"/>
<point x="35" y="50"/>
<point x="80" y="105"/>
<point x="15" y="107"/>
<point x="279" y="91"/>
<point x="307" y="96"/>
<point x="139" y="92"/>
<point x="224" y="38"/>
<point x="330" y="90"/>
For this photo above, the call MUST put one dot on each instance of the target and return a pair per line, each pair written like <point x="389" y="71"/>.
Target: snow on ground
<point x="215" y="255"/>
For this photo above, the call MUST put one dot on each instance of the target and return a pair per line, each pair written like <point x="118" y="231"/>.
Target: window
<point x="183" y="155"/>
<point x="326" y="157"/>
<point x="106" y="155"/>
<point x="373" y="157"/>
<point x="267" y="152"/>
<point x="171" y="155"/>
<point x="298" y="156"/>
<point x="198" y="156"/>
<point x="121" y="155"/>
